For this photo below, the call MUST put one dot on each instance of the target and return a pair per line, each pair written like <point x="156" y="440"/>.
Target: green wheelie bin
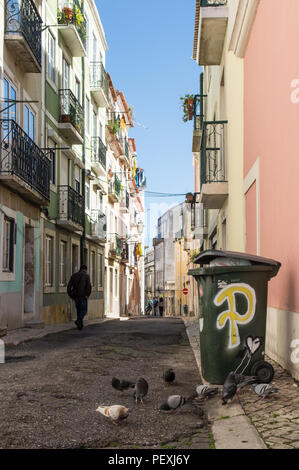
<point x="232" y="293"/>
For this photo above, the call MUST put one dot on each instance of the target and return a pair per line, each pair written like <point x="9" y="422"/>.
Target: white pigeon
<point x="115" y="412"/>
<point x="205" y="391"/>
<point x="263" y="390"/>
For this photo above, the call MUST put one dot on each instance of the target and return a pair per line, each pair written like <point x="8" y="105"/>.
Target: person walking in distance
<point x="156" y="303"/>
<point x="161" y="305"/>
<point x="79" y="289"/>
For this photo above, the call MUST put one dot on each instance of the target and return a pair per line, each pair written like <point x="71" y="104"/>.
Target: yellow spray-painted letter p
<point x="231" y="315"/>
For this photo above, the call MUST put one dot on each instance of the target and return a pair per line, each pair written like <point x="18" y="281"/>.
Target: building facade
<point x="68" y="169"/>
<point x="246" y="109"/>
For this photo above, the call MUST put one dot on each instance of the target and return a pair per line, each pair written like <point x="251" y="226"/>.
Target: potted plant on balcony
<point x="187" y="106"/>
<point x="115" y="126"/>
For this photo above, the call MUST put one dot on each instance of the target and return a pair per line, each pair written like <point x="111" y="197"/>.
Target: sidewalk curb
<point x="43" y="332"/>
<point x="231" y="427"/>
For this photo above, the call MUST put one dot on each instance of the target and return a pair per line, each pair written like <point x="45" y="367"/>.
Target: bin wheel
<point x="263" y="370"/>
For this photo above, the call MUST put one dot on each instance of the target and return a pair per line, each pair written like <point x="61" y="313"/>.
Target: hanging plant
<point x="115" y="126"/>
<point x="188" y="107"/>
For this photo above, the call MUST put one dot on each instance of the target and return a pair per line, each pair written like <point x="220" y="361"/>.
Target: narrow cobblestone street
<point x="51" y="387"/>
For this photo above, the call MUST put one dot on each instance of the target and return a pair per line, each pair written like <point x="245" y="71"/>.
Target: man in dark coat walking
<point x="79" y="289"/>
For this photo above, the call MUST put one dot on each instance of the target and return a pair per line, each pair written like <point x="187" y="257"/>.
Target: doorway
<point x="29" y="270"/>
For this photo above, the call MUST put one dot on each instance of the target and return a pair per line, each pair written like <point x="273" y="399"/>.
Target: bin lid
<point x="207" y="256"/>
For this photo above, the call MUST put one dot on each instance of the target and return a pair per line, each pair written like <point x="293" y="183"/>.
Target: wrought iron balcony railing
<point x="20" y="156"/>
<point x="98" y="151"/>
<point x="125" y="202"/>
<point x="125" y="252"/>
<point x="115" y="186"/>
<point x="98" y="77"/>
<point x="212" y="157"/>
<point x="99" y="227"/>
<point x="72" y="13"/>
<point x="22" y="17"/>
<point x="213" y="3"/>
<point x="71" y="110"/>
<point x="70" y="205"/>
<point x="116" y="245"/>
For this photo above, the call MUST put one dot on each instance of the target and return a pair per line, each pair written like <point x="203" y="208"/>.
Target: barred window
<point x="8" y="245"/>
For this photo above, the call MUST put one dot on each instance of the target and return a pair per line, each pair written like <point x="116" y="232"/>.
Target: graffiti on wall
<point x="228" y="294"/>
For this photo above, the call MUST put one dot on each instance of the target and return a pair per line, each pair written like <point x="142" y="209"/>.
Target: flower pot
<point x="190" y="108"/>
<point x="65" y="118"/>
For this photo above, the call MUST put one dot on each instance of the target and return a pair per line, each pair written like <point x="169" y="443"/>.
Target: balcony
<point x="23" y="34"/>
<point x="116" y="246"/>
<point x="24" y="167"/>
<point x="72" y="27"/>
<point x="199" y="222"/>
<point x="70" y="209"/>
<point x="124" y="155"/>
<point x="98" y="225"/>
<point x="125" y="253"/>
<point x="210" y="31"/>
<point x="198" y="117"/>
<point x="114" y="190"/>
<point x="99" y="85"/>
<point x="112" y="134"/>
<point x="124" y="205"/>
<point x="214" y="186"/>
<point x="71" y="117"/>
<point x="98" y="156"/>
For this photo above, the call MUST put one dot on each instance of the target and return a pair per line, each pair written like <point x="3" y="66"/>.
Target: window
<point x="49" y="258"/>
<point x="87" y="115"/>
<point x="87" y="197"/>
<point x="9" y="94"/>
<point x="65" y="74"/>
<point x="62" y="263"/>
<point x="77" y="186"/>
<point x="51" y="57"/>
<point x="116" y="284"/>
<point x="93" y="268"/>
<point x="52" y="157"/>
<point x="100" y="269"/>
<point x="78" y="90"/>
<point x="8" y="245"/>
<point x="29" y="119"/>
<point x="94" y="124"/>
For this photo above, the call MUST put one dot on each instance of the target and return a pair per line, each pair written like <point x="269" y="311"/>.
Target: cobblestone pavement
<point x="51" y="387"/>
<point x="276" y="418"/>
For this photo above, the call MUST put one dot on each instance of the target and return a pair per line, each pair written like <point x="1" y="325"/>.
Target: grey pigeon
<point x="121" y="385"/>
<point x="263" y="390"/>
<point x="244" y="380"/>
<point x="172" y="403"/>
<point x="205" y="391"/>
<point x="229" y="388"/>
<point x="169" y="376"/>
<point x="141" y="389"/>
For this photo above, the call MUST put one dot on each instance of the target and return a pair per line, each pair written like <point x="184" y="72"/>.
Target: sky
<point x="150" y="44"/>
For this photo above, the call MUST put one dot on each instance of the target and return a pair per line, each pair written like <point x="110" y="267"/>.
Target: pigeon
<point x="115" y="412"/>
<point x="204" y="391"/>
<point x="244" y="380"/>
<point x="172" y="403"/>
<point x="141" y="389"/>
<point x="229" y="388"/>
<point x="263" y="390"/>
<point x="121" y="385"/>
<point x="169" y="376"/>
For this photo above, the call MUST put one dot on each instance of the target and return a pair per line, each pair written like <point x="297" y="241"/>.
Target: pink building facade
<point x="271" y="166"/>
